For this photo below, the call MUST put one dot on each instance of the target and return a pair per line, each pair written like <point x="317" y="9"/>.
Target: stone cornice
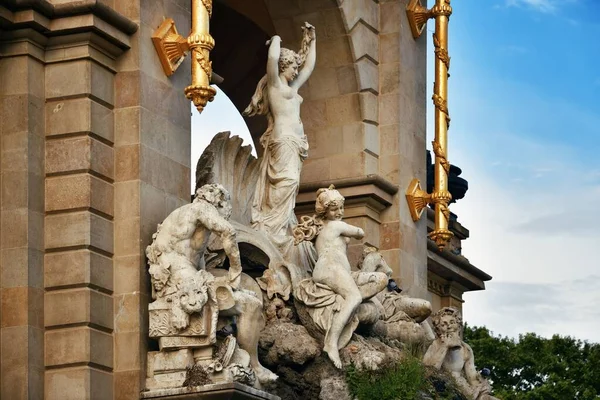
<point x="455" y="268"/>
<point x="61" y="21"/>
<point x="55" y="11"/>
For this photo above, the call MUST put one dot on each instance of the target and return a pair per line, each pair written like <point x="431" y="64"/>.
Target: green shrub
<point x="401" y="381"/>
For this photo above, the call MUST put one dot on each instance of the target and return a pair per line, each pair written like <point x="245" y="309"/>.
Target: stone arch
<point x="342" y="88"/>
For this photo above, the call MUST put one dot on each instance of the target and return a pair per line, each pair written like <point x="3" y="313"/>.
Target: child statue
<point x="334" y="292"/>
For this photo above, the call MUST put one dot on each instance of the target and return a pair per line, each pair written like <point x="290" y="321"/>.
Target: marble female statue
<point x="334" y="287"/>
<point x="284" y="141"/>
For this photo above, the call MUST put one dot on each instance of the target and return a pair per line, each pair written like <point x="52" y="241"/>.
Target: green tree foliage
<point x="535" y="368"/>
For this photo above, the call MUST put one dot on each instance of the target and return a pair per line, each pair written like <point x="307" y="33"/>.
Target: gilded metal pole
<point x="172" y="49"/>
<point x="440" y="198"/>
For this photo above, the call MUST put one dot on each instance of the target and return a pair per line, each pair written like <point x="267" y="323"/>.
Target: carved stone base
<point x="219" y="391"/>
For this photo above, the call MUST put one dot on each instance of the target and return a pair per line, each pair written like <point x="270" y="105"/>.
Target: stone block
<point x="390" y="78"/>
<point x="355" y="10"/>
<point x="127" y="350"/>
<point x="18" y="267"/>
<point x="391" y="13"/>
<point x="77" y="192"/>
<point x="15" y="114"/>
<point x="14" y="190"/>
<point x="76" y="268"/>
<point x="78" y="345"/>
<point x="390" y="235"/>
<point x="127" y="163"/>
<point x="323" y="83"/>
<point x="369" y="107"/>
<point x="60" y="82"/>
<point x="127" y="237"/>
<point x="79" y="154"/>
<point x="329" y="141"/>
<point x="68" y="116"/>
<point x="346" y="79"/>
<point x="389" y="139"/>
<point x="334" y="52"/>
<point x="127" y="199"/>
<point x="390" y="109"/>
<point x="128" y="310"/>
<point x="15" y="160"/>
<point x="368" y="75"/>
<point x="17" y="223"/>
<point x="359" y="137"/>
<point x="347" y="165"/>
<point x="389" y="48"/>
<point x="78" y="384"/>
<point x="128" y="89"/>
<point x="313" y="115"/>
<point x="15" y="75"/>
<point x="79" y="229"/>
<point x="128" y="384"/>
<point x="364" y="42"/>
<point x="389" y="167"/>
<point x="333" y="24"/>
<point x="341" y="110"/>
<point x="315" y="169"/>
<point x="127" y="126"/>
<point x="78" y="306"/>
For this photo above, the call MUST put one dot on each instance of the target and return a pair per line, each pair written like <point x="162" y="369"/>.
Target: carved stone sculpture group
<point x="216" y="281"/>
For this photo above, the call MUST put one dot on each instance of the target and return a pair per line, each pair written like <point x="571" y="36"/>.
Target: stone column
<point x="22" y="218"/>
<point x="402" y="126"/>
<point x="79" y="220"/>
<point x="152" y="175"/>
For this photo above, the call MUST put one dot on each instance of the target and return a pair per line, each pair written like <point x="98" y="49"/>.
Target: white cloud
<point x="567" y="308"/>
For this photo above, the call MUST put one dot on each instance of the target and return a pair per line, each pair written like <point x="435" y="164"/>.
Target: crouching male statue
<point x="449" y="353"/>
<point x="182" y="287"/>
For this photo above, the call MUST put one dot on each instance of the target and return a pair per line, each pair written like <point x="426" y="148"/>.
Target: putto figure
<point x="334" y="293"/>
<point x="449" y="353"/>
<point x="284" y="141"/>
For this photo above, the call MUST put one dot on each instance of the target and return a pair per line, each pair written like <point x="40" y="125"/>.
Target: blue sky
<point x="525" y="111"/>
<point x="525" y="130"/>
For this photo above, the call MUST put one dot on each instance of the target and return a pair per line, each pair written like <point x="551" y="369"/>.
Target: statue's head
<point x="447" y="322"/>
<point x="289" y="62"/>
<point x="372" y="261"/>
<point x="193" y="292"/>
<point x="160" y="275"/>
<point x="216" y="195"/>
<point x="329" y="204"/>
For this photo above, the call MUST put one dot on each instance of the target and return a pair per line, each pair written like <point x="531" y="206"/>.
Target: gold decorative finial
<point x="172" y="49"/>
<point x="440" y="197"/>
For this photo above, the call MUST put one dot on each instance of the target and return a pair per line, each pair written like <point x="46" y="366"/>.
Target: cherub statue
<point x="176" y="256"/>
<point x="333" y="286"/>
<point x="449" y="353"/>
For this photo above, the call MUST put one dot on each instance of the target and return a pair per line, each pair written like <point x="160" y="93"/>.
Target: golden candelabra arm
<point x="440" y="197"/>
<point x="172" y="49"/>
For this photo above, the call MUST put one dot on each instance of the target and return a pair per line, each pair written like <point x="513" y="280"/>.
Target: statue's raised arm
<point x="308" y="56"/>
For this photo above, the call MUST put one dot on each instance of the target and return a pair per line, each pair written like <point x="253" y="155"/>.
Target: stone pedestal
<point x="220" y="391"/>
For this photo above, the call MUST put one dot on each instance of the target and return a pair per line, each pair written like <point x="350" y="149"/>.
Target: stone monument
<point x="95" y="153"/>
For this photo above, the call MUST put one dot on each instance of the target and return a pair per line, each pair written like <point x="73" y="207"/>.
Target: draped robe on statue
<point x="275" y="197"/>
